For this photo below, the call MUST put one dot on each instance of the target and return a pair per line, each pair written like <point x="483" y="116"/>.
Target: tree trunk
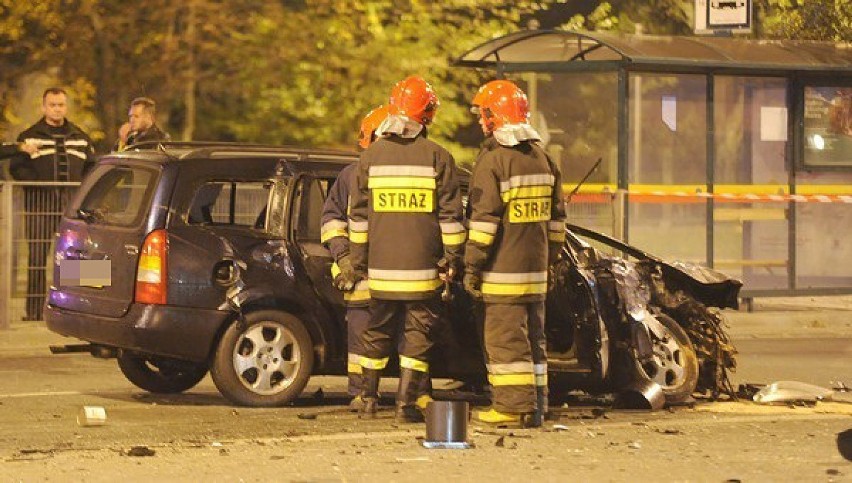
<point x="191" y="75"/>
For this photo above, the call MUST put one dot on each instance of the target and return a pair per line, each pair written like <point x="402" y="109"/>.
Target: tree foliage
<point x="304" y="72"/>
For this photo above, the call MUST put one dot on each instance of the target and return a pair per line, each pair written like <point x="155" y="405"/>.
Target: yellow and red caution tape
<point x="739" y="193"/>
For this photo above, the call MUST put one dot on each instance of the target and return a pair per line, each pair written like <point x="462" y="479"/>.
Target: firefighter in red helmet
<point x="335" y="236"/>
<point x="405" y="222"/>
<point x="516" y="228"/>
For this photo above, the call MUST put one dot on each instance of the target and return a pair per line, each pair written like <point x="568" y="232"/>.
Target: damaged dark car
<point x="216" y="266"/>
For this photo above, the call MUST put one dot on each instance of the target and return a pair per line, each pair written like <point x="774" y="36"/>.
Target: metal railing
<point x="29" y="216"/>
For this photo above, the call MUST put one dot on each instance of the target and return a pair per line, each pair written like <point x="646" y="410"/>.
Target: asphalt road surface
<point x="198" y="436"/>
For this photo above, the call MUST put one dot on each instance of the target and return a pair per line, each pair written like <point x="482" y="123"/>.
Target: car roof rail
<point x="207" y="149"/>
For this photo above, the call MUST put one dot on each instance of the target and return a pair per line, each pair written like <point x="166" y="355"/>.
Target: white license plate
<point x="85" y="273"/>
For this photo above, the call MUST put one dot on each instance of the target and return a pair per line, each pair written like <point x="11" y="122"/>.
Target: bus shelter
<point x="729" y="152"/>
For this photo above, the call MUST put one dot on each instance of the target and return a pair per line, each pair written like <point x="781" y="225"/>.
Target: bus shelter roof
<point x="532" y="50"/>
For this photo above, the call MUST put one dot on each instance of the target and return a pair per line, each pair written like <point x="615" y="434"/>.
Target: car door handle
<point x="131" y="249"/>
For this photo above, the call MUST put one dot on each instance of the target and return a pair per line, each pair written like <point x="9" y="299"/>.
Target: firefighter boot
<point x="542" y="408"/>
<point x="493" y="416"/>
<point x="369" y="394"/>
<point x="355" y="385"/>
<point x="413" y="396"/>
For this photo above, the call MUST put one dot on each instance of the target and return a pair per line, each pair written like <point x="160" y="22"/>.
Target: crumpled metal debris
<point x="791" y="392"/>
<point x="642" y="395"/>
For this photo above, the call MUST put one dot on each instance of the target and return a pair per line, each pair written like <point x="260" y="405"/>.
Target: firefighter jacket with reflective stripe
<point x="516" y="217"/>
<point x="335" y="232"/>
<point x="405" y="215"/>
<point x="65" y="153"/>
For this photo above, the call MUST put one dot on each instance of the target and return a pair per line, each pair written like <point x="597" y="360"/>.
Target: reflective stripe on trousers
<point x="515" y="347"/>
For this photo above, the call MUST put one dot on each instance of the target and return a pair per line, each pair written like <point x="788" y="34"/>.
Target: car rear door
<point x="311" y="191"/>
<point x="106" y="222"/>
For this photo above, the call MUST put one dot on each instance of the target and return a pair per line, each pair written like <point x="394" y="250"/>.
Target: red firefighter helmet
<point x="414" y="97"/>
<point x="369" y="125"/>
<point x="501" y="102"/>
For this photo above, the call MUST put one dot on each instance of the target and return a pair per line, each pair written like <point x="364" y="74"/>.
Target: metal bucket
<point x="446" y="425"/>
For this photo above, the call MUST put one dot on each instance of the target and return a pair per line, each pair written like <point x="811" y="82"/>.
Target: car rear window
<point x="121" y="196"/>
<point x="235" y="203"/>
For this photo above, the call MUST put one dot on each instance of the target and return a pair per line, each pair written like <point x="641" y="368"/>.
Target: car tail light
<point x="151" y="275"/>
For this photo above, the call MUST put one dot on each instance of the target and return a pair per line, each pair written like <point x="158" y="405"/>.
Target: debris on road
<point x="560" y="427"/>
<point x="139" y="451"/>
<point x="307" y="415"/>
<point x="634" y="445"/>
<point x="91" y="416"/>
<point x="791" y="392"/>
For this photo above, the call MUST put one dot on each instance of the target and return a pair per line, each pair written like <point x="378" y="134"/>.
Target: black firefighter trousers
<point x="419" y="321"/>
<point x="515" y="348"/>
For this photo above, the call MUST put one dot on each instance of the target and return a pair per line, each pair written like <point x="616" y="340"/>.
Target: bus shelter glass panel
<point x="667" y="145"/>
<point x="577" y="117"/>
<point x="823" y="230"/>
<point x="750" y="236"/>
<point x="823" y="251"/>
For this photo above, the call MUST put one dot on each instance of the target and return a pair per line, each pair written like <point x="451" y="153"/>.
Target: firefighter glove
<point x="448" y="267"/>
<point x="473" y="284"/>
<point x="346" y="280"/>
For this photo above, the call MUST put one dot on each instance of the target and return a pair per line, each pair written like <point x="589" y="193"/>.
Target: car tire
<point x="675" y="365"/>
<point x="264" y="362"/>
<point x="160" y="375"/>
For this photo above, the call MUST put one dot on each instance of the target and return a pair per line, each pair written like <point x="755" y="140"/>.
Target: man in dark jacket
<point x="54" y="149"/>
<point x="516" y="228"/>
<point x="141" y="125"/>
<point x="405" y="218"/>
<point x="58" y="150"/>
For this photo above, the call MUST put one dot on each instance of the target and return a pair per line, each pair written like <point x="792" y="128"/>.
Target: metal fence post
<point x="619" y="215"/>
<point x="6" y="251"/>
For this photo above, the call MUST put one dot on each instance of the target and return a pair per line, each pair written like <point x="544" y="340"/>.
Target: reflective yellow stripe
<point x="526" y="192"/>
<point x="413" y="364"/>
<point x="514" y="288"/>
<point x="416" y="274"/>
<point x="402" y="170"/>
<point x="375" y="364"/>
<point x="404" y="285"/>
<point x="481" y="237"/>
<point x="453" y="238"/>
<point x="529" y="210"/>
<point x="354" y="368"/>
<point x="403" y="200"/>
<point x="517" y="181"/>
<point x="556" y="236"/>
<point x="511" y="368"/>
<point x="512" y="379"/>
<point x="401" y="182"/>
<point x="514" y="277"/>
<point x="541" y="379"/>
<point x="333" y="233"/>
<point x="358" y="236"/>
<point x="357" y="295"/>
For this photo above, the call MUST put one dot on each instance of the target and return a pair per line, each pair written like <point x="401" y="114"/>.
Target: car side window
<point x="230" y="203"/>
<point x="311" y="198"/>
